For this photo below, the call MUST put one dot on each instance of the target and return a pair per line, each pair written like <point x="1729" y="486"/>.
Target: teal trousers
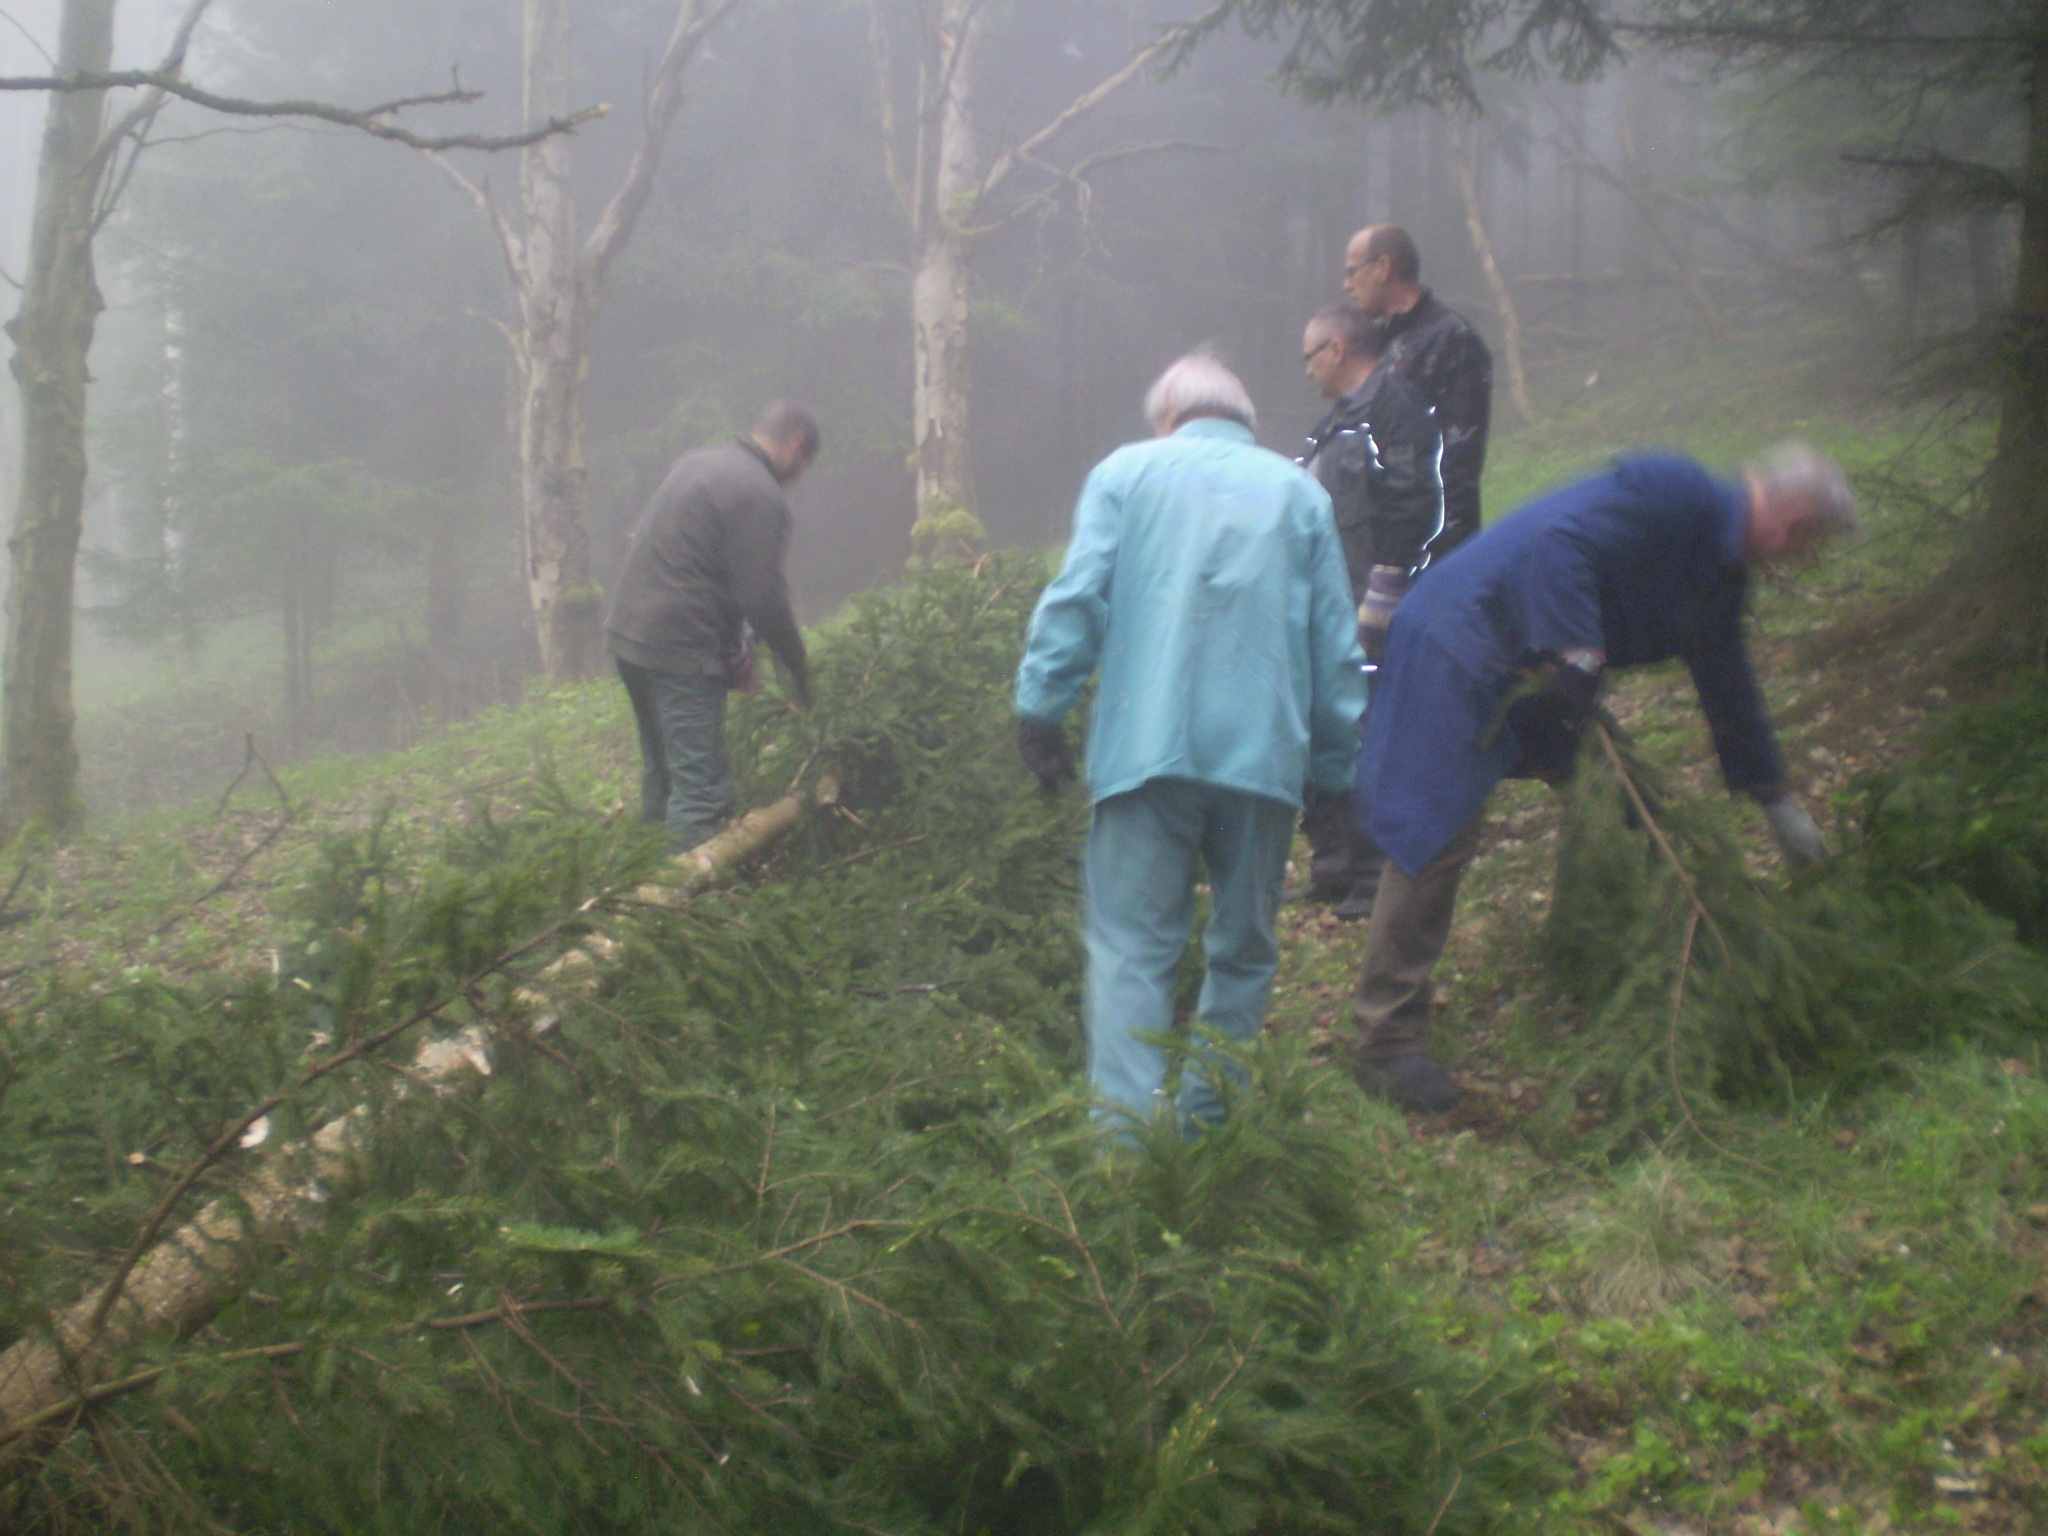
<point x="1138" y="894"/>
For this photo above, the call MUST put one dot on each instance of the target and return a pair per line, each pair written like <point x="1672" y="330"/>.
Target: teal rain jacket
<point x="1206" y="580"/>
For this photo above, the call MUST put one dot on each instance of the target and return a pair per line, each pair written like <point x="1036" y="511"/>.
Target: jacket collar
<point x="1214" y="426"/>
<point x="756" y="450"/>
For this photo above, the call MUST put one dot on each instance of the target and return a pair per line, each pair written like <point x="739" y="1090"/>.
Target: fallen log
<point x="189" y="1274"/>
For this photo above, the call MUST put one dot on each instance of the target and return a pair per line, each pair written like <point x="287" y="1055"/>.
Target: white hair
<point x="1199" y="384"/>
<point x="1800" y="472"/>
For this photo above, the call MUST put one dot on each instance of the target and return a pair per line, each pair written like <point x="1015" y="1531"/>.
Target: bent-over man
<point x="1433" y="347"/>
<point x="705" y="563"/>
<point x="1641" y="563"/>
<point x="1379" y="454"/>
<point x="1205" y="580"/>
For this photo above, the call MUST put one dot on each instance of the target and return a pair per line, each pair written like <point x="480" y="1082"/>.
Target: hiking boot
<point x="1316" y="893"/>
<point x="1412" y="1082"/>
<point x="1356" y="906"/>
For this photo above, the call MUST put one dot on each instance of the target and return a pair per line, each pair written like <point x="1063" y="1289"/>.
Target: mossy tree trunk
<point x="52" y="333"/>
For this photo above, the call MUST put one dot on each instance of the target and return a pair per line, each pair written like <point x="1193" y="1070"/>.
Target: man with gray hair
<point x="1492" y="668"/>
<point x="1205" y="580"/>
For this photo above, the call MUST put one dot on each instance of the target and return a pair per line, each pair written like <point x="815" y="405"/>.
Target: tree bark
<point x="52" y="332"/>
<point x="554" y="363"/>
<point x="942" y="270"/>
<point x="1465" y="171"/>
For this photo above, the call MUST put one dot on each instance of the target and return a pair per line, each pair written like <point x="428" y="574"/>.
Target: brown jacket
<point x="707" y="554"/>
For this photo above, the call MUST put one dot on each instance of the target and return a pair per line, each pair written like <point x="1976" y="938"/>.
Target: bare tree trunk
<point x="1465" y="170"/>
<point x="558" y="283"/>
<point x="1912" y="280"/>
<point x="943" y="269"/>
<point x="52" y="332"/>
<point x="553" y="354"/>
<point x="1987" y="284"/>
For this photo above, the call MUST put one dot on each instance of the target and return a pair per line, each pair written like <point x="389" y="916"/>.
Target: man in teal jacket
<point x="1206" y="581"/>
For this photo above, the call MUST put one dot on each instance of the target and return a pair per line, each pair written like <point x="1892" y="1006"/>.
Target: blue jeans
<point x="1138" y="902"/>
<point x="685" y="782"/>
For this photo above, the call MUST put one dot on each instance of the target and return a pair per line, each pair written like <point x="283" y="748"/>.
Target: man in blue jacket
<point x="1491" y="671"/>
<point x="1205" y="579"/>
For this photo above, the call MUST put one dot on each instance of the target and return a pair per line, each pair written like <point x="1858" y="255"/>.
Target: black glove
<point x="1043" y="746"/>
<point x="1549" y="721"/>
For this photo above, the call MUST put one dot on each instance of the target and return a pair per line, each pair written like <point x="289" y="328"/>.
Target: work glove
<point x="1798" y="838"/>
<point x="1549" y="720"/>
<point x="1385" y="586"/>
<point x="1043" y="746"/>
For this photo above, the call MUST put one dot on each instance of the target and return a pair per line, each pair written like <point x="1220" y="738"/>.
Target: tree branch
<point x="1089" y="100"/>
<point x="479" y="193"/>
<point x="31" y="38"/>
<point x="695" y="20"/>
<point x="884" y="61"/>
<point x="370" y="120"/>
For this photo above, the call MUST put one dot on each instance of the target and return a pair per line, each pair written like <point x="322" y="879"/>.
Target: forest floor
<point x="1832" y="1316"/>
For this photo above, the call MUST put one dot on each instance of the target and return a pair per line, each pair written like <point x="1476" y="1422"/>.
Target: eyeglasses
<point x="1310" y="355"/>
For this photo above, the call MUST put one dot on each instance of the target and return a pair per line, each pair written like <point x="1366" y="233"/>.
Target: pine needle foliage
<point x="1968" y="812"/>
<point x="1712" y="986"/>
<point x="800" y="1222"/>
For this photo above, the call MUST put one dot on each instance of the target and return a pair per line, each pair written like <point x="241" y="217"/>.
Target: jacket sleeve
<point x="757" y="546"/>
<point x="1733" y="704"/>
<point x="1067" y="628"/>
<point x="1336" y="664"/>
<point x="1461" y="380"/>
<point x="1408" y="487"/>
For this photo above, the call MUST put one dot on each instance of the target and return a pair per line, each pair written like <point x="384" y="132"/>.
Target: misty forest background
<point x="304" y="501"/>
<point x="392" y="1139"/>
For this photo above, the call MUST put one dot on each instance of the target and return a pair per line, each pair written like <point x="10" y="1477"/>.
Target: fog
<point x="304" y="508"/>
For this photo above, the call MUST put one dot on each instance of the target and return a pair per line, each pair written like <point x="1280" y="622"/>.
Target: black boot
<point x="1412" y="1082"/>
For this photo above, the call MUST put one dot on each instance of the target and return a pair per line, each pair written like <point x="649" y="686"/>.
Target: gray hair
<point x="1199" y="384"/>
<point x="1800" y="472"/>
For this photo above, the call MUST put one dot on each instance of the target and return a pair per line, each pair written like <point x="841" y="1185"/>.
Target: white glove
<point x="1798" y="838"/>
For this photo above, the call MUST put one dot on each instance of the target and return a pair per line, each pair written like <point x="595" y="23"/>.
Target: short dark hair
<point x="1361" y="332"/>
<point x="781" y="420"/>
<point x="1404" y="262"/>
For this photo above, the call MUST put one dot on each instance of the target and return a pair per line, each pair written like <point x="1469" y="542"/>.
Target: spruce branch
<point x="72" y="1409"/>
<point x="152" y="1227"/>
<point x="1642" y="809"/>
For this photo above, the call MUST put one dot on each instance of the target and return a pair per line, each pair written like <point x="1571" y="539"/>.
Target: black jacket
<point x="1433" y="348"/>
<point x="1378" y="454"/>
<point x="706" y="554"/>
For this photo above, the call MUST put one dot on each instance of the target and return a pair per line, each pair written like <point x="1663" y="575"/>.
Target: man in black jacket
<point x="1378" y="453"/>
<point x="1431" y="346"/>
<point x="706" y="559"/>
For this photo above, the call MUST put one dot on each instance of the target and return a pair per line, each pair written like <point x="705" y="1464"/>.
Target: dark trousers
<point x="685" y="782"/>
<point x="1411" y="924"/>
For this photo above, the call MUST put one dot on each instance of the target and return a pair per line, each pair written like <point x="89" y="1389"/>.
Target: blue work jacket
<point x="1205" y="579"/>
<point x="1643" y="561"/>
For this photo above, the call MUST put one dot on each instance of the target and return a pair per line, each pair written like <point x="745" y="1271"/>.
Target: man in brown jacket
<point x="706" y="559"/>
